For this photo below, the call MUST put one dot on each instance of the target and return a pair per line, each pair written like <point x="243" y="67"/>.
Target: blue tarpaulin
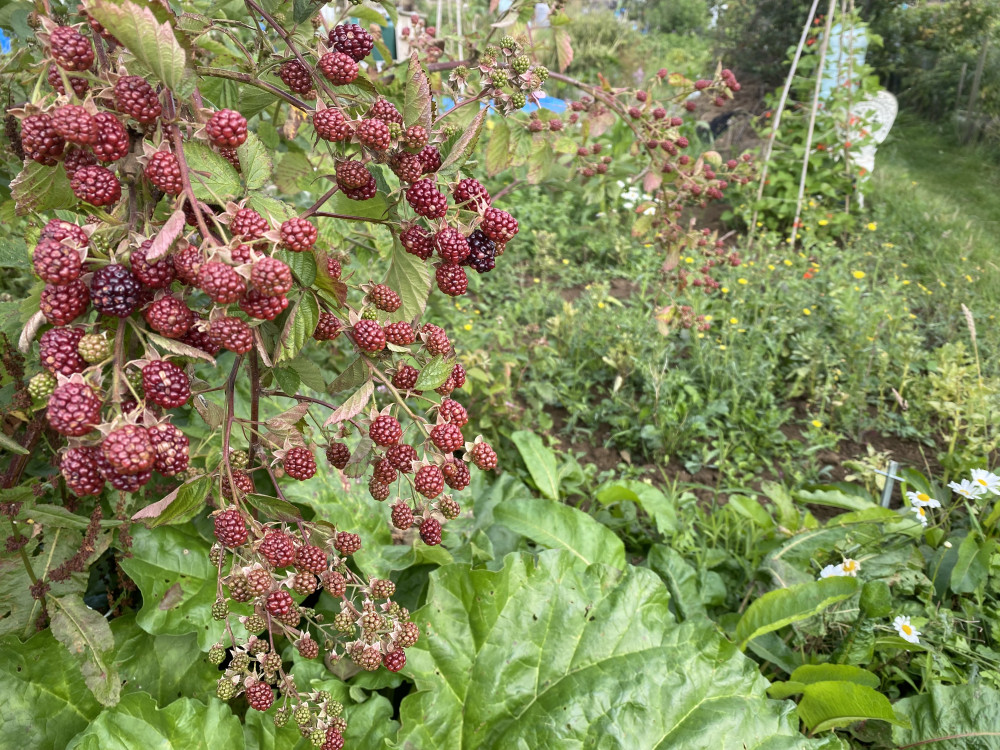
<point x="546" y="102"/>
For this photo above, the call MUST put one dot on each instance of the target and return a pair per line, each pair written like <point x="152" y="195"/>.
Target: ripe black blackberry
<point x="338" y="68"/>
<point x="298" y="234"/>
<point x="79" y="470"/>
<point x="112" y="138"/>
<point x="451" y="279"/>
<point x="352" y="175"/>
<point x="385" y="430"/>
<point x="96" y="185"/>
<point x="164" y="171"/>
<point x="352" y="40"/>
<point x="402" y="516"/>
<point x="384" y="298"/>
<point x="431" y="158"/>
<point x="296" y="77"/>
<point x="114" y="291"/>
<point x="70" y="49"/>
<point x="430" y="532"/>
<point x="55" y="262"/>
<point x="156" y="275"/>
<point x="75" y="124"/>
<point x="63" y="304"/>
<point x="369" y="336"/>
<point x="58" y="351"/>
<point x="417" y="241"/>
<point x="165" y="384"/>
<point x="137" y="99"/>
<point x="232" y="334"/>
<point x="426" y="200"/>
<point x="470" y="193"/>
<point x="384" y="110"/>
<point x="328" y="327"/>
<point x="256" y="305"/>
<point x="248" y="224"/>
<point x="299" y="463"/>
<point x="169" y="316"/>
<point x="429" y="481"/>
<point x="447" y="437"/>
<point x="226" y="129"/>
<point x="79" y="85"/>
<point x="40" y="140"/>
<point x="451" y="245"/>
<point x="338" y="455"/>
<point x="220" y="282"/>
<point x="374" y="134"/>
<point x="400" y="333"/>
<point x="331" y="125"/>
<point x="482" y="252"/>
<point x="171" y="446"/>
<point x="129" y="449"/>
<point x="498" y="225"/>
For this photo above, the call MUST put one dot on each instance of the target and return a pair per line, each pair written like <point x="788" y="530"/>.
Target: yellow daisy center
<point x="923" y="497"/>
<point x="982" y="482"/>
<point x="850" y="564"/>
<point x="906" y="629"/>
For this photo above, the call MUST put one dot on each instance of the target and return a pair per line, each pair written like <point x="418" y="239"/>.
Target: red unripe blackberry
<point x="171" y="446"/>
<point x="400" y="333"/>
<point x="258" y="306"/>
<point x="226" y="129"/>
<point x="447" y="437"/>
<point x="482" y="252"/>
<point x="271" y="277"/>
<point x="299" y="463"/>
<point x="242" y="482"/>
<point x="498" y="225"/>
<point x="352" y="175"/>
<point x="136" y="98"/>
<point x="96" y="185"/>
<point x="307" y="647"/>
<point x="58" y="350"/>
<point x="384" y="472"/>
<point x="230" y="528"/>
<point x="401" y="457"/>
<point x="431" y="158"/>
<point x="332" y="740"/>
<point x="338" y="455"/>
<point x="395" y="660"/>
<point x="338" y="68"/>
<point x="114" y="290"/>
<point x="426" y="200"/>
<point x="232" y="334"/>
<point x="333" y="268"/>
<point x="455" y="380"/>
<point x="59" y="230"/>
<point x="451" y="245"/>
<point x="407" y="167"/>
<point x="469" y="193"/>
<point x="164" y="171"/>
<point x="384" y="110"/>
<point x="385" y="430"/>
<point x="187" y="261"/>
<point x="369" y="336"/>
<point x="198" y="337"/>
<point x="409" y="634"/>
<point x="429" y="481"/>
<point x="415" y="137"/>
<point x="335" y="584"/>
<point x="311" y="558"/>
<point x="79" y="85"/>
<point x="405" y="377"/>
<point x="347" y="543"/>
<point x="369" y="658"/>
<point x="278" y="548"/>
<point x="378" y="489"/>
<point x="169" y="317"/>
<point x="456" y="474"/>
<point x="374" y="134"/>
<point x="328" y="327"/>
<point x="248" y="224"/>
<point x="55" y="262"/>
<point x="260" y="696"/>
<point x="402" y="516"/>
<point x="352" y="40"/>
<point x="221" y="282"/>
<point x="331" y="125"/>
<point x="385" y="298"/>
<point x="75" y="159"/>
<point x="156" y="275"/>
<point x="296" y="77"/>
<point x="70" y="49"/>
<point x="75" y="124"/>
<point x="435" y="339"/>
<point x="118" y="480"/>
<point x="129" y="449"/>
<point x="430" y="531"/>
<point x="363" y="193"/>
<point x="259" y="581"/>
<point x="62" y="305"/>
<point x="451" y="279"/>
<point x="298" y="234"/>
<point x="454" y="412"/>
<point x="483" y="456"/>
<point x="165" y="384"/>
<point x="79" y="470"/>
<point x="417" y="241"/>
<point x="242" y="254"/>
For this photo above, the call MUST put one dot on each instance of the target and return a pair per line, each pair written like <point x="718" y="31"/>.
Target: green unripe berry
<point x="216" y="654"/>
<point x="491" y="51"/>
<point x="334" y="708"/>
<point x="254" y="624"/>
<point x="318" y="737"/>
<point x="94" y="348"/>
<point x="134" y="377"/>
<point x="41" y="386"/>
<point x="508" y="43"/>
<point x="240" y="662"/>
<point x="343" y="622"/>
<point x="518" y="100"/>
<point x="520" y="64"/>
<point x="542" y="72"/>
<point x="499" y="78"/>
<point x="272" y="662"/>
<point x="281" y="717"/>
<point x="303" y="715"/>
<point x="451" y="130"/>
<point x="370" y="313"/>
<point x="461" y="72"/>
<point x="220" y="610"/>
<point x="239" y="459"/>
<point x="226" y="690"/>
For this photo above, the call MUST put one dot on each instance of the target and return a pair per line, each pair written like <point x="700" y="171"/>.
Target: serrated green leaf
<point x="303" y="10"/>
<point x="781" y="607"/>
<point x="464" y="146"/>
<point x="681" y="580"/>
<point x="951" y="717"/>
<point x="87" y="636"/>
<point x="353" y="406"/>
<point x="354" y="375"/>
<point x="373" y="208"/>
<point x="288" y="379"/>
<point x="14" y="253"/>
<point x="558" y="526"/>
<point x="213" y="179"/>
<point x="417" y="99"/>
<point x="409" y="277"/>
<point x="540" y="460"/>
<point x="40" y="188"/>
<point x="309" y="373"/>
<point x="831" y="705"/>
<point x="498" y="149"/>
<point x="972" y="565"/>
<point x="657" y="505"/>
<point x="272" y="507"/>
<point x="292" y="174"/>
<point x="153" y="43"/>
<point x="303" y="265"/>
<point x="299" y="327"/>
<point x="540" y="164"/>
<point x="434" y="373"/>
<point x="255" y="162"/>
<point x="181" y="505"/>
<point x="272" y="209"/>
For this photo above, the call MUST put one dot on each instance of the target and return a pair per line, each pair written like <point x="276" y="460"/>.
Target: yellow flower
<point x="968" y="278"/>
<point x="724" y="290"/>
<point x="741" y="330"/>
<point x="733" y="321"/>
<point x="788" y="262"/>
<point x="689" y="260"/>
<point x="537" y="280"/>
<point x="812" y="204"/>
<point x="468" y="326"/>
<point x="858" y="274"/>
<point x="760" y="223"/>
<point x="888" y="244"/>
<point x="701" y="335"/>
<point x="565" y="261"/>
<point x="600" y="305"/>
<point x="722" y="346"/>
<point x="741" y="281"/>
<point x="906" y="282"/>
<point x="816" y="423"/>
<point x="770" y="267"/>
<point x="822" y="222"/>
<point x="806" y="311"/>
<point x="872" y="226"/>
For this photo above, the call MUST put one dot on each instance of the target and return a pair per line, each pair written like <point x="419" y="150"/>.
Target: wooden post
<point x="973" y="107"/>
<point x="961" y="85"/>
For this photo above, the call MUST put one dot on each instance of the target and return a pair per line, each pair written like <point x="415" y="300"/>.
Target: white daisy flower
<point x="831" y="571"/>
<point x="921" y="514"/>
<point x="922" y="500"/>
<point x="967" y="488"/>
<point x="989" y="481"/>
<point x="850" y="567"/>
<point x="906" y="631"/>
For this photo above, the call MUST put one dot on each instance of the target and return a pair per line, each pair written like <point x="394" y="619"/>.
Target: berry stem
<point x="254" y="402"/>
<point x="323" y="199"/>
<point x="399" y="399"/>
<point x="249" y="79"/>
<point x="347" y="217"/>
<point x="476" y="98"/>
<point x="228" y="426"/>
<point x="175" y="137"/>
